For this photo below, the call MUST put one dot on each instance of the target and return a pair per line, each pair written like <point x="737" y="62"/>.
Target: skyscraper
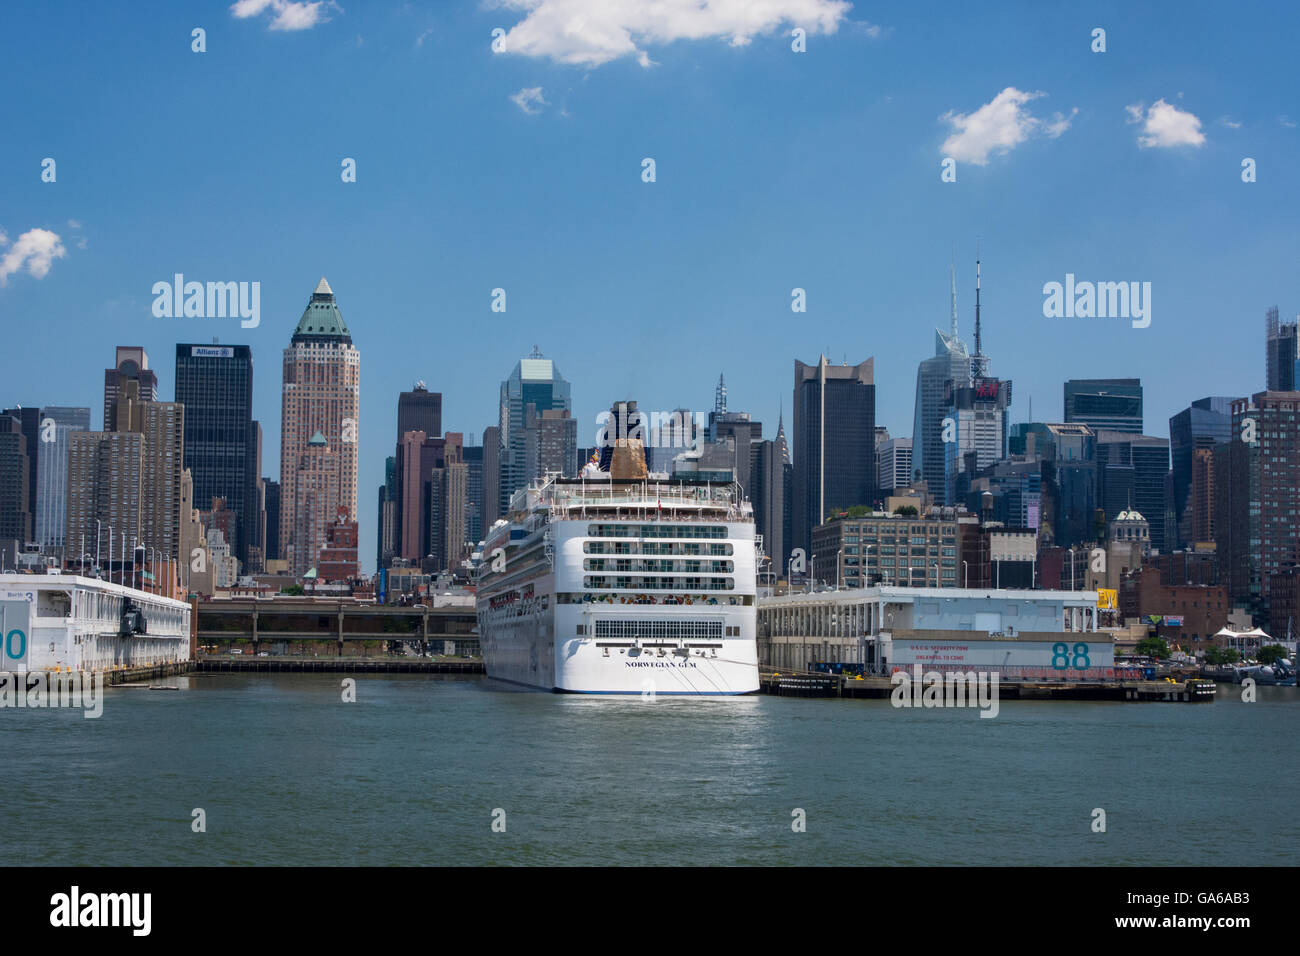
<point x="950" y="364"/>
<point x="222" y="441"/>
<point x="57" y="423"/>
<point x="1257" y="496"/>
<point x="894" y="464"/>
<point x="1131" y="473"/>
<point x="320" y="403"/>
<point x="15" y="516"/>
<point x="1203" y="424"/>
<point x="1109" y="404"/>
<point x="386" y="539"/>
<point x="535" y="381"/>
<point x="419" y="410"/>
<point x="1282" y="344"/>
<point x="773" y="480"/>
<point x="834" y="442"/>
<point x="131" y="365"/>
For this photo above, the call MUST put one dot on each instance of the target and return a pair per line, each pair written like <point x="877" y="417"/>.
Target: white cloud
<point x="592" y="32"/>
<point x="998" y="127"/>
<point x="528" y="98"/>
<point x="1229" y="122"/>
<point x="1287" y="122"/>
<point x="1165" y="125"/>
<point x="289" y="14"/>
<point x="419" y="41"/>
<point x="73" y="224"/>
<point x="36" y="249"/>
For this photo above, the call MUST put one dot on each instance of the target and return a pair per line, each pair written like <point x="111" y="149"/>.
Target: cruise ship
<point x="601" y="585"/>
<point x="66" y="622"/>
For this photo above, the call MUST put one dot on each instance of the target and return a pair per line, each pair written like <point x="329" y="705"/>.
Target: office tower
<point x="491" y="478"/>
<point x="773" y="479"/>
<point x="1282" y="342"/>
<point x="834" y="442"/>
<point x="386" y="539"/>
<point x="978" y="417"/>
<point x="474" y="530"/>
<point x="222" y="440"/>
<point x="950" y="363"/>
<point x="46" y="432"/>
<point x="1199" y="510"/>
<point x="894" y="464"/>
<point x="419" y="410"/>
<point x="50" y="519"/>
<point x="1256" y="489"/>
<point x="1131" y="473"/>
<point x="29" y="423"/>
<point x="535" y="381"/>
<point x="15" y="514"/>
<point x="132" y="365"/>
<point x="320" y="399"/>
<point x="417" y="456"/>
<point x="447" y="507"/>
<point x="1203" y="424"/>
<point x="273" y="552"/>
<point x="1106" y="404"/>
<point x="551" y="442"/>
<point x="1068" y="453"/>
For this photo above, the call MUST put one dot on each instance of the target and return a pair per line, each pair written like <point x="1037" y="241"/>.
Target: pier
<point x="817" y="684"/>
<point x="336" y="665"/>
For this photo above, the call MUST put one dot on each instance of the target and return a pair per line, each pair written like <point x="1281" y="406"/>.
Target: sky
<point x="522" y="168"/>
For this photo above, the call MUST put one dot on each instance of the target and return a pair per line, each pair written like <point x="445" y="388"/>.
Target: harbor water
<point x="418" y="769"/>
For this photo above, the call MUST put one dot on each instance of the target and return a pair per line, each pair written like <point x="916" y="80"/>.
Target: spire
<point x="952" y="274"/>
<point x="323" y="287"/>
<point x="979" y="361"/>
<point x="720" y="396"/>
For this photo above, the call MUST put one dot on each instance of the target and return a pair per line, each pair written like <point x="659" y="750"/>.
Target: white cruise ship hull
<point x="623" y="605"/>
<point x="524" y="651"/>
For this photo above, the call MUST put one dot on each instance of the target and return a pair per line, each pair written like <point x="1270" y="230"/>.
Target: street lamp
<point x="97" y="546"/>
<point x="1071" y="550"/>
<point x="866" y="564"/>
<point x="965" y="570"/>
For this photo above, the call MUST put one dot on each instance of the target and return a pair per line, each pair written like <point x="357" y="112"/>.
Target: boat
<point x="612" y="585"/>
<point x="69" y="623"/>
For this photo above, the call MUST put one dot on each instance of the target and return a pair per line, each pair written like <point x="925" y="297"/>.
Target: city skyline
<point x="833" y="187"/>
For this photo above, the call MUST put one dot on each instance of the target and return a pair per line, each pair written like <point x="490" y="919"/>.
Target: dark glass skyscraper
<point x="1203" y="424"/>
<point x="1112" y="404"/>
<point x="222" y="441"/>
<point x="419" y="410"/>
<point x="1131" y="472"/>
<point x="834" y="442"/>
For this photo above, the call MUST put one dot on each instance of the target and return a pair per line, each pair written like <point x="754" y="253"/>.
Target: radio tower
<point x="979" y="362"/>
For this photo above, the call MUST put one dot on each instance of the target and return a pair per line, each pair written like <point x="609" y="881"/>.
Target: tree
<point x="293" y="589"/>
<point x="1153" y="647"/>
<point x="1271" y="654"/>
<point x="907" y="511"/>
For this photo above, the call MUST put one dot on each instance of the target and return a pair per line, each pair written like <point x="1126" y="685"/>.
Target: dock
<point x="818" y="684"/>
<point x="337" y="665"/>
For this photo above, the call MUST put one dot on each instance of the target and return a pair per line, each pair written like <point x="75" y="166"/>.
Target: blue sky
<point x="774" y="170"/>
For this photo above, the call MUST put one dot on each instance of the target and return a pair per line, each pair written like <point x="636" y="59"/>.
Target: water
<point x="411" y="773"/>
